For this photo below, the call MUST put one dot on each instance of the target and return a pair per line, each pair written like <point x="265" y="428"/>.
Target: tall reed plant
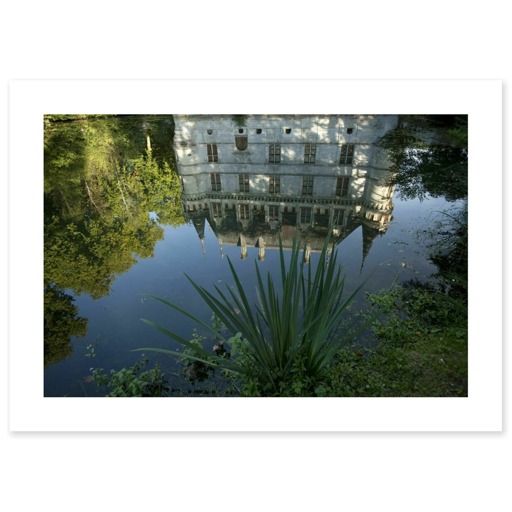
<point x="289" y="337"/>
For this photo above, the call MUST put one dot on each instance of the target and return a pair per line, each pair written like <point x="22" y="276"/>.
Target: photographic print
<point x="255" y="255"/>
<point x="258" y="271"/>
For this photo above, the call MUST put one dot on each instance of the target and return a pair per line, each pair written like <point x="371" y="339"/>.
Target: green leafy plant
<point x="421" y="351"/>
<point x="129" y="381"/>
<point x="285" y="343"/>
<point x="199" y="371"/>
<point x="240" y="119"/>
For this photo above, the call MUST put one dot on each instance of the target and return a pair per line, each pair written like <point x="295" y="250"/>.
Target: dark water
<point x="167" y="244"/>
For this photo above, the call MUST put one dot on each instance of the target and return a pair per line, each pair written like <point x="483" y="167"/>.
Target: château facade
<point x="256" y="178"/>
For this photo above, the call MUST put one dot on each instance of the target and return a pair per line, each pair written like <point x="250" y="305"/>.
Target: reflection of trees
<point x="86" y="256"/>
<point x="102" y="177"/>
<point x="60" y="323"/>
<point x="429" y="156"/>
<point x="450" y="253"/>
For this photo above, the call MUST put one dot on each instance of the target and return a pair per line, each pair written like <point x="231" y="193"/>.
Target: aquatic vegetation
<point x="285" y="343"/>
<point x="132" y="381"/>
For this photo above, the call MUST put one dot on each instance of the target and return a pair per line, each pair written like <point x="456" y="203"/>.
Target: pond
<point x="133" y="203"/>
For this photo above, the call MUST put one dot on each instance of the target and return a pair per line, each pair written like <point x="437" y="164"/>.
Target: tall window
<point x="305" y="215"/>
<point x="347" y="154"/>
<point x="274" y="185"/>
<point x="212" y="152"/>
<point x="243" y="180"/>
<point x="273" y="213"/>
<point x="309" y="153"/>
<point x="342" y="186"/>
<point x="307" y="185"/>
<point x="244" y="211"/>
<point x="274" y="153"/>
<point x="215" y="178"/>
<point x="338" y="216"/>
<point x="217" y="209"/>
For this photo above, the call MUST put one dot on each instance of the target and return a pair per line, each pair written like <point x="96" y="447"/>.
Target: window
<point x="209" y="132"/>
<point x="288" y="131"/>
<point x="240" y="130"/>
<point x="350" y="130"/>
<point x="309" y="153"/>
<point x="215" y="178"/>
<point x="342" y="186"/>
<point x="305" y="215"/>
<point x="212" y="152"/>
<point x="347" y="154"/>
<point x="217" y="209"/>
<point x="273" y="213"/>
<point x="307" y="185"/>
<point x="244" y="211"/>
<point x="243" y="180"/>
<point x="274" y="185"/>
<point x="258" y="131"/>
<point x="338" y="216"/>
<point x="274" y="153"/>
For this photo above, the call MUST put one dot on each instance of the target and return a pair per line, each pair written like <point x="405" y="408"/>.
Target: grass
<point x="429" y="365"/>
<point x="422" y="350"/>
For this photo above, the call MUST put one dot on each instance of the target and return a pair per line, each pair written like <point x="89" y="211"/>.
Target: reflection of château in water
<point x="256" y="178"/>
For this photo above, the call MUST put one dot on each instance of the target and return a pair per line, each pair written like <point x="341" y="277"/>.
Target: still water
<point x="137" y="206"/>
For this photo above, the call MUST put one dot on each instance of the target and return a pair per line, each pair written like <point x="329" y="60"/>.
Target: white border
<point x="30" y="411"/>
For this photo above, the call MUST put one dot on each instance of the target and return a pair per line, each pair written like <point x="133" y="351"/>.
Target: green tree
<point x="61" y="322"/>
<point x="429" y="156"/>
<point x="102" y="178"/>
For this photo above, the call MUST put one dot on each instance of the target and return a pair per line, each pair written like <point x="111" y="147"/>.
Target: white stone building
<point x="253" y="176"/>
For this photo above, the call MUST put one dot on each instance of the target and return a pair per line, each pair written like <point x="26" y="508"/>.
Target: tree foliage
<point x="429" y="156"/>
<point x="60" y="324"/>
<point x="103" y="176"/>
